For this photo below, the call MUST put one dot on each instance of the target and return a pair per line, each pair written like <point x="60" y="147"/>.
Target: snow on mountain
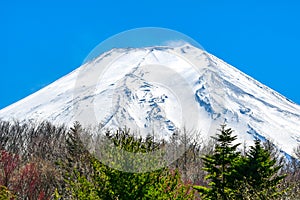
<point x="162" y="89"/>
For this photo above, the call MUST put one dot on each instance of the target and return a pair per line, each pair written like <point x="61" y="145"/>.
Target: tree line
<point x="44" y="161"/>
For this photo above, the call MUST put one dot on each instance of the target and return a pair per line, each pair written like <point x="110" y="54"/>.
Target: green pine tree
<point x="221" y="167"/>
<point x="76" y="168"/>
<point x="104" y="182"/>
<point x="261" y="178"/>
<point x="158" y="184"/>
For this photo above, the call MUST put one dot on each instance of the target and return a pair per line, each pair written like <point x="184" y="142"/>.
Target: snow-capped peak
<point x="164" y="89"/>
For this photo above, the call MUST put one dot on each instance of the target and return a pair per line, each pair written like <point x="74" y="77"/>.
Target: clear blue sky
<point x="40" y="41"/>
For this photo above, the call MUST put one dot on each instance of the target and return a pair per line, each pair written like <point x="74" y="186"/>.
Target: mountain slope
<point x="162" y="89"/>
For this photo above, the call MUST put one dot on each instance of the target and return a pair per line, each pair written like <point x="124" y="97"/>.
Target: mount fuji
<point x="163" y="89"/>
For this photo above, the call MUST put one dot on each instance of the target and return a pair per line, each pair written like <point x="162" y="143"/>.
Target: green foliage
<point x="170" y="186"/>
<point x="5" y="194"/>
<point x="81" y="188"/>
<point x="220" y="166"/>
<point x="261" y="177"/>
<point x="43" y="161"/>
<point x="125" y="152"/>
<point x="104" y="182"/>
<point x="76" y="168"/>
<point x="233" y="176"/>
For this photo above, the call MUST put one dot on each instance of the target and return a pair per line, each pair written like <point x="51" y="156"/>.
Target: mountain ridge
<point x="195" y="81"/>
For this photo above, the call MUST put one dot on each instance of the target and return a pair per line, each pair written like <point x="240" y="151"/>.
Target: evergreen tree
<point x="104" y="182"/>
<point x="261" y="177"/>
<point x="76" y="168"/>
<point x="221" y="167"/>
<point x="158" y="184"/>
<point x="74" y="144"/>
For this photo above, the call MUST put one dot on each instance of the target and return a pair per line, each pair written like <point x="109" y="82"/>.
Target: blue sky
<point x="40" y="41"/>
